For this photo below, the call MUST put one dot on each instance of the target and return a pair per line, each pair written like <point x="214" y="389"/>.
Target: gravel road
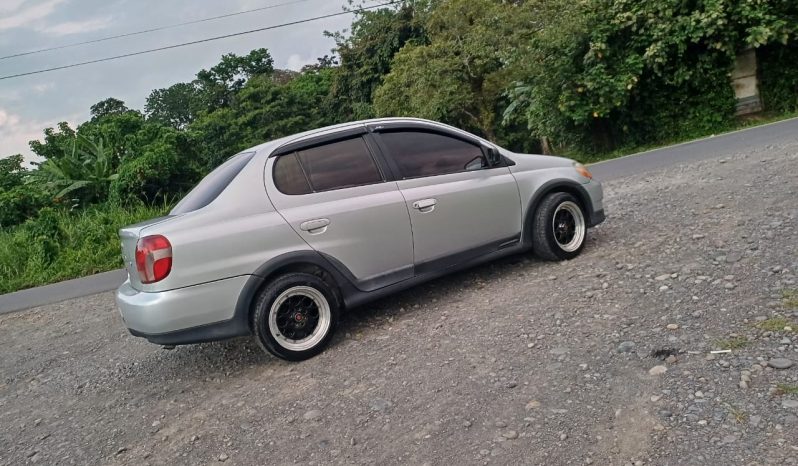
<point x="517" y="362"/>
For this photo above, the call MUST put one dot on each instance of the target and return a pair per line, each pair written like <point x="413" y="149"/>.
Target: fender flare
<point x="260" y="277"/>
<point x="557" y="185"/>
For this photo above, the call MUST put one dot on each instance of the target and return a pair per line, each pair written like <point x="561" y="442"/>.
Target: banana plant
<point x="86" y="171"/>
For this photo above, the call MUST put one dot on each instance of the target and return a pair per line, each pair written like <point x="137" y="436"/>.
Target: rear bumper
<point x="187" y="315"/>
<point x="205" y="333"/>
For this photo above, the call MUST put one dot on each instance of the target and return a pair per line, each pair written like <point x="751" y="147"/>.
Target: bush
<point x="660" y="113"/>
<point x="779" y="72"/>
<point x="19" y="200"/>
<point x="59" y="245"/>
<point x="161" y="170"/>
<point x="19" y="204"/>
<point x="659" y="68"/>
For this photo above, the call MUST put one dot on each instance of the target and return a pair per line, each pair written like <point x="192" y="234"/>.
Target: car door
<point x="459" y="207"/>
<point x="336" y="198"/>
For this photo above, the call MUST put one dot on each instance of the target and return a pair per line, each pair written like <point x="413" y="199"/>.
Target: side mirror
<point x="493" y="156"/>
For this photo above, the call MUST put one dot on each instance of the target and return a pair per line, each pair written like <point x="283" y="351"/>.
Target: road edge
<point x="693" y="141"/>
<point x="61" y="291"/>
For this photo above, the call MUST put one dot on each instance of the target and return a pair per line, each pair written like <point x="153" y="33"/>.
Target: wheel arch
<point x="310" y="262"/>
<point x="550" y="187"/>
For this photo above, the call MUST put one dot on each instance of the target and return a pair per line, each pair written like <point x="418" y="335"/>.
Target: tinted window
<point x="289" y="177"/>
<point x="427" y="154"/>
<point x="212" y="185"/>
<point x="339" y="165"/>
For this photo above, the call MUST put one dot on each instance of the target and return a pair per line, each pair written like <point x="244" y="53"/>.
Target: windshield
<point x="212" y="185"/>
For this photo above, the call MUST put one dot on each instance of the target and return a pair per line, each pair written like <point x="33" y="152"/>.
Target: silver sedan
<point x="283" y="237"/>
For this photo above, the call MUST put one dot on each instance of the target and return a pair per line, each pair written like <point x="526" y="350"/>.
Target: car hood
<point x="525" y="162"/>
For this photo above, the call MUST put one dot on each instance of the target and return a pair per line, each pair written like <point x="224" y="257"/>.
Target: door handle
<point x="425" y="205"/>
<point x="315" y="226"/>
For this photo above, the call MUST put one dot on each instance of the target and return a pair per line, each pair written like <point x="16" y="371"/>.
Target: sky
<point x="31" y="103"/>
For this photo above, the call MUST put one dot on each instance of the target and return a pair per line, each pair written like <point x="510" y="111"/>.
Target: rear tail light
<point x="153" y="258"/>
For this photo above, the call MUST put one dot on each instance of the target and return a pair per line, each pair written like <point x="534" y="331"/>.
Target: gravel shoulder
<point x="516" y="362"/>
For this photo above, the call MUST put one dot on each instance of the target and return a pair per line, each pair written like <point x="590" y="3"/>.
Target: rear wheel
<point x="559" y="229"/>
<point x="295" y="316"/>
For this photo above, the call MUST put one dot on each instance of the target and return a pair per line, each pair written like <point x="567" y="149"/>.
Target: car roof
<point x="271" y="146"/>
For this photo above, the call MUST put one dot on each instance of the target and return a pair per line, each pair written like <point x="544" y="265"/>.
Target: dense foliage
<point x="61" y="245"/>
<point x="459" y="74"/>
<point x="599" y="74"/>
<point x="17" y="200"/>
<point x="583" y="77"/>
<point x="779" y="84"/>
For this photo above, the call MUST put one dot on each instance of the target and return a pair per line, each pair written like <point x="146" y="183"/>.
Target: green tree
<point x="11" y="172"/>
<point x="366" y="54"/>
<point x="264" y="110"/>
<point x="57" y="142"/>
<point x="161" y="164"/>
<point x="593" y="66"/>
<point x="177" y="106"/>
<point x="113" y="127"/>
<point x="460" y="76"/>
<point x="109" y="106"/>
<point x="115" y="130"/>
<point x="322" y="63"/>
<point x="220" y="83"/>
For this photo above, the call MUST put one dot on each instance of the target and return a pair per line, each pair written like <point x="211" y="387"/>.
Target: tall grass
<point x="59" y="245"/>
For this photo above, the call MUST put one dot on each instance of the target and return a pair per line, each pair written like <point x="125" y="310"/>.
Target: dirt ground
<point x="516" y="362"/>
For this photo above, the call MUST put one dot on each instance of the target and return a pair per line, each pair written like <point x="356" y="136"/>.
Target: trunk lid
<point x="129" y="237"/>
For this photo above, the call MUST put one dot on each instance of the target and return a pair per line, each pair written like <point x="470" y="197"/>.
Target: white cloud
<point x="7" y="6"/>
<point x="16" y="133"/>
<point x="296" y="62"/>
<point x="42" y="88"/>
<point x="77" y="27"/>
<point x="7" y="119"/>
<point x="29" y="16"/>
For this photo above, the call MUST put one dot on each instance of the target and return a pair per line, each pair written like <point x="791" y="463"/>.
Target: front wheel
<point x="559" y="229"/>
<point x="295" y="316"/>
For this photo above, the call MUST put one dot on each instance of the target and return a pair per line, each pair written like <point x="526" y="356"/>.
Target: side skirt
<point x="357" y="298"/>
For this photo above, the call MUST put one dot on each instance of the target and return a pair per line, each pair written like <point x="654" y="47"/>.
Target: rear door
<point x="459" y="207"/>
<point x="337" y="199"/>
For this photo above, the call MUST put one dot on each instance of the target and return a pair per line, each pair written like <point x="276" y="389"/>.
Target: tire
<point x="295" y="316"/>
<point x="562" y="238"/>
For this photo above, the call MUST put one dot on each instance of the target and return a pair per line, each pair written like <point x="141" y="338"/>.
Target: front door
<point x="459" y="208"/>
<point x="336" y="199"/>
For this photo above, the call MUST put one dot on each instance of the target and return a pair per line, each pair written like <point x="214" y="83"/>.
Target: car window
<point x="428" y="154"/>
<point x="339" y="164"/>
<point x="212" y="185"/>
<point x="289" y="177"/>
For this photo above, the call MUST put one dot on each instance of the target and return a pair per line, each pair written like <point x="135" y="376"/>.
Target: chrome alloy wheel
<point x="299" y="318"/>
<point x="569" y="226"/>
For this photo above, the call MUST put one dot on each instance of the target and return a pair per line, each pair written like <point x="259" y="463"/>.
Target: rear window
<point x="289" y="177"/>
<point x="337" y="165"/>
<point x="342" y="164"/>
<point x="212" y="185"/>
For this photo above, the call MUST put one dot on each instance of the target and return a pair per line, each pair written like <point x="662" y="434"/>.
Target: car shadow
<point x="442" y="289"/>
<point x="450" y="286"/>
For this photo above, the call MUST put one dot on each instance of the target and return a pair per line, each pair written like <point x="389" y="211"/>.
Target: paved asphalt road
<point x="57" y="292"/>
<point x="719" y="146"/>
<point x="743" y="141"/>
